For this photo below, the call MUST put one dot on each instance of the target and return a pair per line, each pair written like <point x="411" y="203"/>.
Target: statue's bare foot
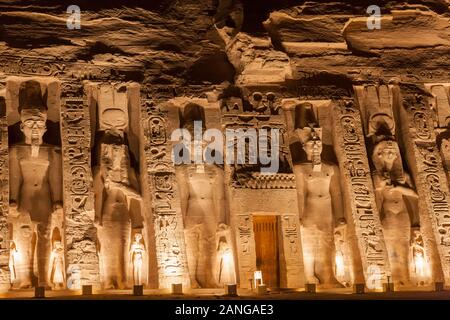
<point x="122" y="285"/>
<point x="195" y="285"/>
<point x="25" y="285"/>
<point x="312" y="280"/>
<point x="109" y="286"/>
<point x="58" y="286"/>
<point x="331" y="283"/>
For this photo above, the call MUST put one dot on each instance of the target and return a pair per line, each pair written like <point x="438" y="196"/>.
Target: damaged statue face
<point x="115" y="162"/>
<point x="313" y="149"/>
<point x="386" y="152"/>
<point x="33" y="126"/>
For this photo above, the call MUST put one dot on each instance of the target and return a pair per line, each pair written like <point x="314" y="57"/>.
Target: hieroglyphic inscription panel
<point x="4" y="201"/>
<point x="80" y="233"/>
<point x="430" y="177"/>
<point x="290" y="226"/>
<point x="245" y="249"/>
<point x="351" y="151"/>
<point x="165" y="204"/>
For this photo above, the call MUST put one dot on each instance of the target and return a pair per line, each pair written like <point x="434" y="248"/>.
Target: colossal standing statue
<point x="398" y="204"/>
<point x="118" y="203"/>
<point x="35" y="189"/>
<point x="320" y="208"/>
<point x="202" y="203"/>
<point x="117" y="207"/>
<point x="202" y="196"/>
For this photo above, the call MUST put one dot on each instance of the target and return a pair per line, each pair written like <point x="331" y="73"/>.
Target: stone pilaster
<point x="82" y="263"/>
<point x="292" y="252"/>
<point x="165" y="203"/>
<point x="422" y="154"/>
<point x="245" y="248"/>
<point x="362" y="213"/>
<point x="4" y="200"/>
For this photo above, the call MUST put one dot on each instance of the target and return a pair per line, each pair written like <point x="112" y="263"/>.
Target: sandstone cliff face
<point x="187" y="45"/>
<point x="165" y="43"/>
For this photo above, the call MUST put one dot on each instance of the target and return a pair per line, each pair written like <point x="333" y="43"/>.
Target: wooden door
<point x="266" y="243"/>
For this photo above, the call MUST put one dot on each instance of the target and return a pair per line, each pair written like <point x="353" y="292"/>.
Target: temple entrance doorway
<point x="265" y="228"/>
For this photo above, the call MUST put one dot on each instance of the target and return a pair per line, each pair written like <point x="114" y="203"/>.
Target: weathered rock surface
<point x="169" y="43"/>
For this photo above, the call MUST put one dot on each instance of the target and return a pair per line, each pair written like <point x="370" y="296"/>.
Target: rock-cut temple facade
<point x="107" y="131"/>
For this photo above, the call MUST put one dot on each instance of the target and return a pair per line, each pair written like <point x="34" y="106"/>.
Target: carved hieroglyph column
<point x="292" y="251"/>
<point x="426" y="165"/>
<point x="441" y="93"/>
<point x="364" y="217"/>
<point x="165" y="203"/>
<point x="82" y="263"/>
<point x="4" y="200"/>
<point x="245" y="249"/>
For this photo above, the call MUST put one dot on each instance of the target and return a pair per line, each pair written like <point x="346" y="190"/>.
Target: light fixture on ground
<point x="262" y="289"/>
<point x="310" y="288"/>
<point x="39" y="292"/>
<point x="231" y="290"/>
<point x="438" y="286"/>
<point x="389" y="286"/>
<point x="86" y="290"/>
<point x="138" y="290"/>
<point x="257" y="278"/>
<point x="359" y="288"/>
<point x="177" y="288"/>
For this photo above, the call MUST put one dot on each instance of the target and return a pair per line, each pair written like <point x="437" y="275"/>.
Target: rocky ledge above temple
<point x="201" y="43"/>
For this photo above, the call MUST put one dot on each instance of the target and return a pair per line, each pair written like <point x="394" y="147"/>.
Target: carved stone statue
<point x="117" y="204"/>
<point x="202" y="202"/>
<point x="398" y="206"/>
<point x="225" y="272"/>
<point x="418" y="253"/>
<point x="264" y="103"/>
<point x="320" y="208"/>
<point x="35" y="187"/>
<point x="137" y="253"/>
<point x="57" y="278"/>
<point x="12" y="261"/>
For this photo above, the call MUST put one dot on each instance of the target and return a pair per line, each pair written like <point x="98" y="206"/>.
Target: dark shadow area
<point x="215" y="69"/>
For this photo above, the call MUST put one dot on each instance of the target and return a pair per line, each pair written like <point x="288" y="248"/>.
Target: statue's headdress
<point x="309" y="133"/>
<point x="31" y="97"/>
